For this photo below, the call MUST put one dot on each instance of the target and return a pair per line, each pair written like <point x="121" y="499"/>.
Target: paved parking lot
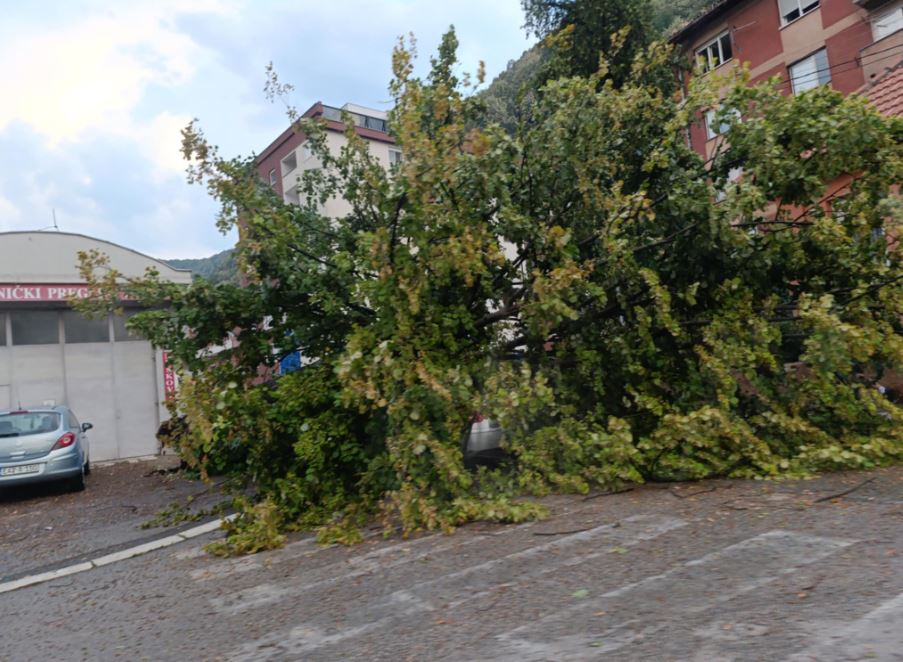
<point x="44" y="524"/>
<point x="723" y="570"/>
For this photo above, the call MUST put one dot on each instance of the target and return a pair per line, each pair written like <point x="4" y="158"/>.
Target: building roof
<point x="715" y="10"/>
<point x="369" y="123"/>
<point x="52" y="257"/>
<point x="886" y="94"/>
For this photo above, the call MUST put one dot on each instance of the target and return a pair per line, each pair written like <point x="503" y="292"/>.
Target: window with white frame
<point x="394" y="156"/>
<point x="887" y="22"/>
<point x="810" y="72"/>
<point x="714" y="127"/>
<point x="793" y="9"/>
<point x="716" y="52"/>
<point x="272" y="177"/>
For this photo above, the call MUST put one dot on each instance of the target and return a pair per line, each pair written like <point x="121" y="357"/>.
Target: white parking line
<point x="115" y="557"/>
<point x="401" y="604"/>
<point x="763" y="559"/>
<point x="262" y="594"/>
<point x="44" y="577"/>
<point x="878" y="635"/>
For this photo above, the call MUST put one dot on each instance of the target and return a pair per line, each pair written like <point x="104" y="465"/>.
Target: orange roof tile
<point x="886" y="94"/>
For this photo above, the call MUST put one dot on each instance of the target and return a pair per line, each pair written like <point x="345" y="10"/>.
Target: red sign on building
<point x="170" y="381"/>
<point x="25" y="292"/>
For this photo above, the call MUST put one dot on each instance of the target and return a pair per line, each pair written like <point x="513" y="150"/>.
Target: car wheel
<point x="77" y="484"/>
<point x="87" y="467"/>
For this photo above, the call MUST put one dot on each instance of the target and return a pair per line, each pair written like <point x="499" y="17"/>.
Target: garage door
<point x="95" y="367"/>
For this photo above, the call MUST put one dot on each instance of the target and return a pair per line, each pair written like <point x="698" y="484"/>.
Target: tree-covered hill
<point x="219" y="268"/>
<point x="510" y="92"/>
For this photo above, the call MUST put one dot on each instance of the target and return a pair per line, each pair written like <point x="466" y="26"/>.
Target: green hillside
<point x="509" y="93"/>
<point x="219" y="268"/>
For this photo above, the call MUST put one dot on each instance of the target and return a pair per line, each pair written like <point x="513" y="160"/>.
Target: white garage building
<point x="49" y="354"/>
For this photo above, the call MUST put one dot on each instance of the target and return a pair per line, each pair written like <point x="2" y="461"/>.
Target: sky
<point x="95" y="93"/>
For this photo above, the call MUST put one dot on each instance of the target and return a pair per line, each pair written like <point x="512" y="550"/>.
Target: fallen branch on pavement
<point x="561" y="533"/>
<point x="605" y="494"/>
<point x="685" y="496"/>
<point x="845" y="492"/>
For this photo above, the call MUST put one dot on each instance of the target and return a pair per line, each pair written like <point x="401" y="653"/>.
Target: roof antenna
<point x="54" y="226"/>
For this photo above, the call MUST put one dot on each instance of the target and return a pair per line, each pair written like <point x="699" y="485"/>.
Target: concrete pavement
<point x="724" y="570"/>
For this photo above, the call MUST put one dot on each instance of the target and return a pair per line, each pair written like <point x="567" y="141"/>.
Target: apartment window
<point x="394" y="156"/>
<point x="331" y="113"/>
<point x="289" y="163"/>
<point x="793" y="9"/>
<point x="716" y="52"/>
<point x="272" y="177"/>
<point x="810" y="72"/>
<point x="2" y="330"/>
<point x="376" y="124"/>
<point x="887" y="22"/>
<point x="713" y="127"/>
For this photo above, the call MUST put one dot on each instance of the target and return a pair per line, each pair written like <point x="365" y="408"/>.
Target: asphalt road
<point x="723" y="570"/>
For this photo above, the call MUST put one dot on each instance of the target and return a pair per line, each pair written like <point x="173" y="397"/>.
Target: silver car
<point x="482" y="442"/>
<point x="43" y="444"/>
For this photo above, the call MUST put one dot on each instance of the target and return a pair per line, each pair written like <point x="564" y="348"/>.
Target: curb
<point x="115" y="557"/>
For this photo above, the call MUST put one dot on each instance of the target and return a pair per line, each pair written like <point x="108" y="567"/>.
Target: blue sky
<point x="95" y="93"/>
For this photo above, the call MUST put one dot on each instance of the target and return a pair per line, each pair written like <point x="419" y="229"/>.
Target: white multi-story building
<point x="282" y="162"/>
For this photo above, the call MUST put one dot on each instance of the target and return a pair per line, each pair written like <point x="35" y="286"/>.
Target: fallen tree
<point x="674" y="320"/>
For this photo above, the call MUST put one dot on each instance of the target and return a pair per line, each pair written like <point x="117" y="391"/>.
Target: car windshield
<point x="22" y="423"/>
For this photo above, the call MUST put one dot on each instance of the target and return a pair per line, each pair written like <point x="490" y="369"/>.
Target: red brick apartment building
<point x="851" y="45"/>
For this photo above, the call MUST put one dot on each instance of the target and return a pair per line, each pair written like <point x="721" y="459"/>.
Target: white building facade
<point x="284" y="160"/>
<point x="51" y="355"/>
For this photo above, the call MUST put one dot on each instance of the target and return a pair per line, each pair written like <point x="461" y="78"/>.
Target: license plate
<point x="23" y="469"/>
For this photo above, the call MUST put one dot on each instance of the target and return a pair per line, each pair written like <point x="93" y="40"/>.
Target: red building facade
<point x="847" y="44"/>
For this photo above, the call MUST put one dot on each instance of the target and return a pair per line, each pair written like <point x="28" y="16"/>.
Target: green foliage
<point x="668" y="15"/>
<point x="672" y="320"/>
<point x="179" y="513"/>
<point x="257" y="527"/>
<point x="510" y="97"/>
<point x="218" y="268"/>
<point x="580" y="31"/>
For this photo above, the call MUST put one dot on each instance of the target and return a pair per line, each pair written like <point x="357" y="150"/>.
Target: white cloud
<point x="9" y="214"/>
<point x="93" y="73"/>
<point x="161" y="143"/>
<point x="165" y="234"/>
<point x="95" y="93"/>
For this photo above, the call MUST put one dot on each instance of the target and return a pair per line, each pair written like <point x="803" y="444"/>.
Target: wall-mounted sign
<point x="170" y="379"/>
<point x="46" y="292"/>
<point x="41" y="292"/>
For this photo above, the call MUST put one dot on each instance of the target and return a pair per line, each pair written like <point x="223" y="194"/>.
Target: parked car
<point x="481" y="443"/>
<point x="43" y="444"/>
